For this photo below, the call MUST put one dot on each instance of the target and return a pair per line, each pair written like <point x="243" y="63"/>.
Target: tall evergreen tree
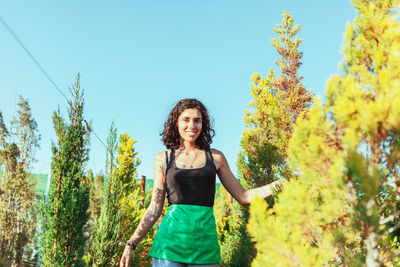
<point x="65" y="214"/>
<point x="278" y="101"/>
<point x="365" y="105"/>
<point x="18" y="195"/>
<point x="345" y="208"/>
<point x="130" y="202"/>
<point x="108" y="226"/>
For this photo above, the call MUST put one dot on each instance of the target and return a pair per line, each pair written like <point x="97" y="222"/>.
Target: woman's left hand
<point x="126" y="257"/>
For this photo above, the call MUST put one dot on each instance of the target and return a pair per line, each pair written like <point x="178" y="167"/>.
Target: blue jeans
<point x="167" y="263"/>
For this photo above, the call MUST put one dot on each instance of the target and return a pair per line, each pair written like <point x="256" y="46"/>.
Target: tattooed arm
<point x="150" y="217"/>
<point x="154" y="210"/>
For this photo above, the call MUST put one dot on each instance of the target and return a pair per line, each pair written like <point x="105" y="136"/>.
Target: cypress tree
<point x="278" y="101"/>
<point x="344" y="208"/>
<point x="107" y="227"/>
<point x="65" y="214"/>
<point x="364" y="101"/>
<point x="130" y="202"/>
<point x="18" y="195"/>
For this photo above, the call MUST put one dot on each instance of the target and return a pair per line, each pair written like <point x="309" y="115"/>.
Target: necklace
<point x="191" y="164"/>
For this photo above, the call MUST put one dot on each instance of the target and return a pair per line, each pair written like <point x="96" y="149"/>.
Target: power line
<point x="45" y="74"/>
<point x="32" y="57"/>
<point x="91" y="130"/>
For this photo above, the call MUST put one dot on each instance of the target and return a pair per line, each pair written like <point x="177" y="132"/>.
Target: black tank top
<point x="191" y="186"/>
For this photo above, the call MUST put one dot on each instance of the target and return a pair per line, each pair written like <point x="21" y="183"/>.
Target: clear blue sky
<point x="138" y="58"/>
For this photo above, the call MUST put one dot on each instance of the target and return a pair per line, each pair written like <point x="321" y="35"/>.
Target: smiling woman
<point x="186" y="173"/>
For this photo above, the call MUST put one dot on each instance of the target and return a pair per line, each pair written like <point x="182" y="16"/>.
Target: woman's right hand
<point x="153" y="211"/>
<point x="126" y="257"/>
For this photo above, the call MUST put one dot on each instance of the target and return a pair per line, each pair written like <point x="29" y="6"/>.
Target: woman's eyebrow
<point x="196" y="118"/>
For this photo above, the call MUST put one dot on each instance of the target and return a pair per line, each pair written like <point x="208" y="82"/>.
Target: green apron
<point x="187" y="234"/>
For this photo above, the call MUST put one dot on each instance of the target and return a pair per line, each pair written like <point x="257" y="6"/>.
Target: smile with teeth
<point x="191" y="133"/>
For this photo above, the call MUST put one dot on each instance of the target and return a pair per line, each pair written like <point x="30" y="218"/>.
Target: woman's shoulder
<point x="215" y="151"/>
<point x="217" y="154"/>
<point x="218" y="157"/>
<point x="161" y="160"/>
<point x="161" y="156"/>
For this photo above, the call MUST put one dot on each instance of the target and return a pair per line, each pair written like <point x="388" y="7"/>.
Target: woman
<point x="186" y="173"/>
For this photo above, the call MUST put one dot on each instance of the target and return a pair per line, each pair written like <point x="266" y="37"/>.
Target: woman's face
<point x="189" y="124"/>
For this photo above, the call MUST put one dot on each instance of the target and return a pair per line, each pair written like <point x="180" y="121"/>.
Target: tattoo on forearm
<point x="151" y="215"/>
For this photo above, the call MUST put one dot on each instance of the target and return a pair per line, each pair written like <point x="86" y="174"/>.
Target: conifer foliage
<point x="222" y="212"/>
<point x="65" y="214"/>
<point x="131" y="200"/>
<point x="278" y="101"/>
<point x="344" y="207"/>
<point x="299" y="229"/>
<point x="18" y="196"/>
<point x="127" y="163"/>
<point x="365" y="105"/>
<point x="108" y="226"/>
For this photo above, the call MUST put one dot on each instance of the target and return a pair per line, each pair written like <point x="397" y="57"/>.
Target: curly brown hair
<point x="170" y="135"/>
